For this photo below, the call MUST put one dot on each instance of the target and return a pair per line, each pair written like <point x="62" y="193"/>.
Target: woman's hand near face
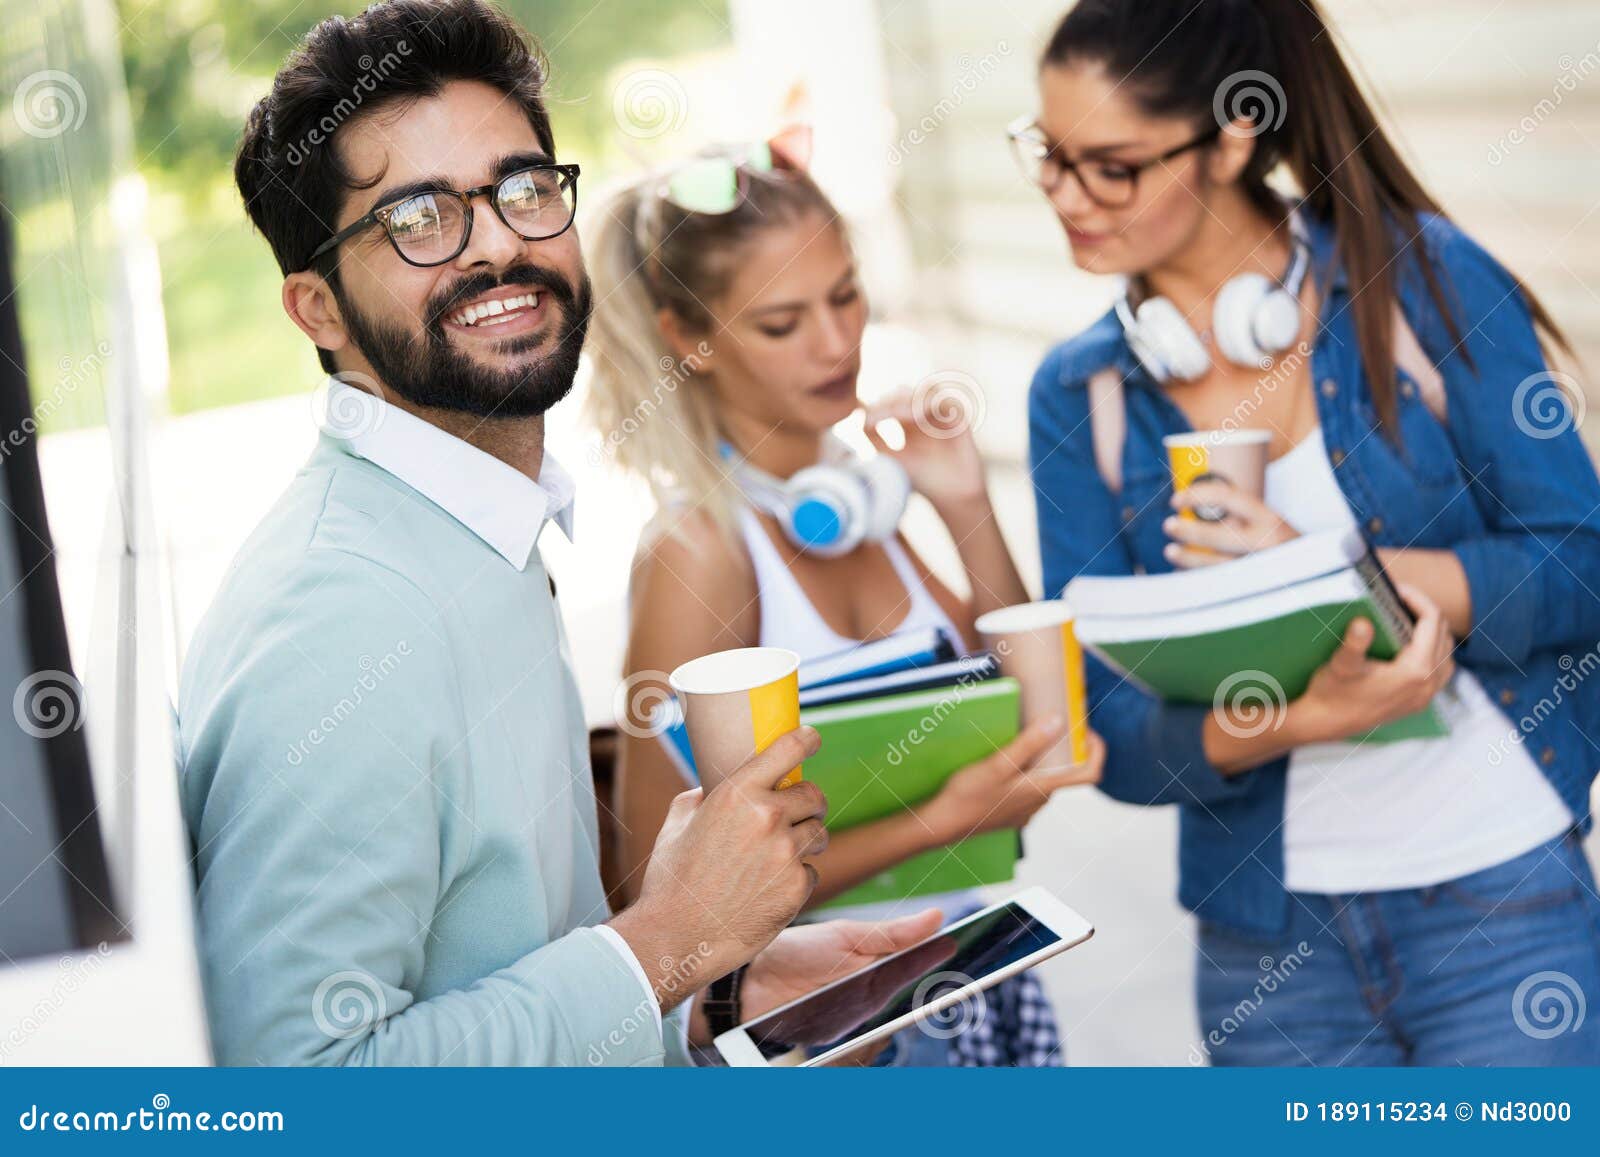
<point x="940" y="455"/>
<point x="1248" y="524"/>
<point x="941" y="458"/>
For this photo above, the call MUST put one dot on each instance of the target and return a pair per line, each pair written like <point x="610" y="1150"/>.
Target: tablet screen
<point x="898" y="984"/>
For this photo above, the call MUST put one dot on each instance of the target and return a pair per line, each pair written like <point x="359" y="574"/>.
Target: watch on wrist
<point x="721" y="1002"/>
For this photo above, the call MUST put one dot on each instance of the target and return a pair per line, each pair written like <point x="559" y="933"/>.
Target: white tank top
<point x="788" y="617"/>
<point x="1373" y="817"/>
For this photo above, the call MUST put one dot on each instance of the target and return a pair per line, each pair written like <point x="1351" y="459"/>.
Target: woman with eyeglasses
<point x="1419" y="902"/>
<point x="726" y="342"/>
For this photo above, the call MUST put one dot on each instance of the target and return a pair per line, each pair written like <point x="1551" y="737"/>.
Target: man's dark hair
<point x="290" y="175"/>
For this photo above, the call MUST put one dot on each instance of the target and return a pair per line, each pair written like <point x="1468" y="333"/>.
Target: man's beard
<point x="426" y="370"/>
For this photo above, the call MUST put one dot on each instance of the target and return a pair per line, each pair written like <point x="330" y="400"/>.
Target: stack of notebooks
<point x="897" y="718"/>
<point x="1259" y="624"/>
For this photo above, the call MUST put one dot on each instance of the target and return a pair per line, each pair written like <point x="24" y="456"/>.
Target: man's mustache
<point x="474" y="284"/>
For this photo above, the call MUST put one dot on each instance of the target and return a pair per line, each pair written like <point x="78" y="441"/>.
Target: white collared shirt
<point x="497" y="502"/>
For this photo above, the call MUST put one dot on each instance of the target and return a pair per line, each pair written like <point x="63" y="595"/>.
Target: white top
<point x="788" y="617"/>
<point x="494" y="500"/>
<point x="1378" y="816"/>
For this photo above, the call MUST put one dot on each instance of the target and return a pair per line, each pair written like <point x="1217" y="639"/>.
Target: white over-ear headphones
<point x="831" y="508"/>
<point x="1254" y="318"/>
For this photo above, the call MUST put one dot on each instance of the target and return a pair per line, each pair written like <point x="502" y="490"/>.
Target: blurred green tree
<point x="194" y="67"/>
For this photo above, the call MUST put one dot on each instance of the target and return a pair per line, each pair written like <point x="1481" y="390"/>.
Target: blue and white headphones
<point x="833" y="507"/>
<point x="1255" y="318"/>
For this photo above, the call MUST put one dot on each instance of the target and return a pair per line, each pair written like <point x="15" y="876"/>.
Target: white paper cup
<point x="735" y="703"/>
<point x="1036" y="645"/>
<point x="1238" y="457"/>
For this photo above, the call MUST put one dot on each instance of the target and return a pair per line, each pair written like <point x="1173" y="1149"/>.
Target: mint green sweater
<point x="386" y="781"/>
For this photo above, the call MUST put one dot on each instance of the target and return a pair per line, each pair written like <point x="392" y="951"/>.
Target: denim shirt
<point x="1504" y="482"/>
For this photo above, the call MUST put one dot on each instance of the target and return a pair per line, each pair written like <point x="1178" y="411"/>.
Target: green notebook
<point x="1252" y="630"/>
<point x="880" y="756"/>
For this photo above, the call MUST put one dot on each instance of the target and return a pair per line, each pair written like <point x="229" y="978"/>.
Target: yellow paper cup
<point x="735" y="703"/>
<point x="1037" y="646"/>
<point x="1238" y="457"/>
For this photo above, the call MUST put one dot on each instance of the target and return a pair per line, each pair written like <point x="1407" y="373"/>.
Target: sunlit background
<point x="1498" y="105"/>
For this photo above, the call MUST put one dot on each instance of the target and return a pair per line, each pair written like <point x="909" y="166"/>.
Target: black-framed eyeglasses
<point x="431" y="227"/>
<point x="1108" y="183"/>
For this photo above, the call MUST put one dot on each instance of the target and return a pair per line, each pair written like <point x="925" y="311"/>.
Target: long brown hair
<point x="1275" y="63"/>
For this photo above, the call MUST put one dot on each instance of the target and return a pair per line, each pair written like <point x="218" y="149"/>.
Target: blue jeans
<point x="1500" y="967"/>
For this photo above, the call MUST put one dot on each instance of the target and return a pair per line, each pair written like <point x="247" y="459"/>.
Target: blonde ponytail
<point x="655" y="412"/>
<point x="655" y="420"/>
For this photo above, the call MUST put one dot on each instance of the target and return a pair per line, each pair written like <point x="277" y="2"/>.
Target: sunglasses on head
<point x="719" y="184"/>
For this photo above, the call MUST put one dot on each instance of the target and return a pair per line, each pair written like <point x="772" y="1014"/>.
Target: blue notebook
<point x="898" y="652"/>
<point x="967" y="669"/>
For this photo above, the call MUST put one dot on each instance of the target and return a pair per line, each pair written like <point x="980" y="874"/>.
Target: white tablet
<point x="949" y="967"/>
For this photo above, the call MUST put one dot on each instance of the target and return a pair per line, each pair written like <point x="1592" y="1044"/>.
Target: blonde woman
<point x="735" y="267"/>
